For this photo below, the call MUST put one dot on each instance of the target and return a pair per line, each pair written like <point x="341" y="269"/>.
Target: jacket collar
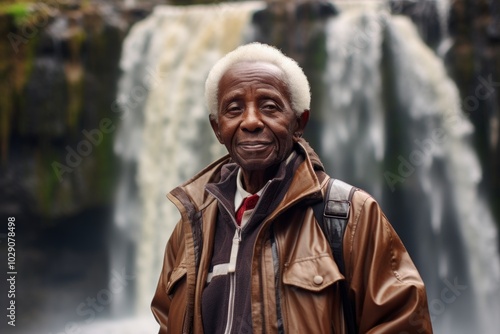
<point x="191" y="196"/>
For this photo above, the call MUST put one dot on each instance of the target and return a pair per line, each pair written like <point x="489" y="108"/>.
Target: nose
<point x="252" y="119"/>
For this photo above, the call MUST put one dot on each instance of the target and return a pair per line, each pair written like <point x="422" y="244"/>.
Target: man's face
<point x="255" y="120"/>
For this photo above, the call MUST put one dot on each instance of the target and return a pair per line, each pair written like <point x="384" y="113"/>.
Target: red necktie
<point x="248" y="204"/>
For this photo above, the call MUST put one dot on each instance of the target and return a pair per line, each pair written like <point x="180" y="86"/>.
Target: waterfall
<point x="353" y="105"/>
<point x="391" y="123"/>
<point x="394" y="126"/>
<point x="443" y="8"/>
<point x="165" y="138"/>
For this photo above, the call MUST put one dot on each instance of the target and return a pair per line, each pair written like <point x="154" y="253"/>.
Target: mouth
<point x="253" y="145"/>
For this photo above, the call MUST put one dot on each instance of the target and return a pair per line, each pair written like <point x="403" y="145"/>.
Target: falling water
<point x="354" y="98"/>
<point x="395" y="127"/>
<point x="164" y="139"/>
<point x="392" y="124"/>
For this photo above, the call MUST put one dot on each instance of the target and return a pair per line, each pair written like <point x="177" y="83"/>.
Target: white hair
<point x="294" y="77"/>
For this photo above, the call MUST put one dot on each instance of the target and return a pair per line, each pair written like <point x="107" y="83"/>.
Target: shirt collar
<point x="241" y="193"/>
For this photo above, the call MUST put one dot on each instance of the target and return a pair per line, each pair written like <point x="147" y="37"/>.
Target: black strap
<point x="333" y="216"/>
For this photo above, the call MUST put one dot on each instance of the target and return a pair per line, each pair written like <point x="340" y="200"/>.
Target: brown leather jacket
<point x="388" y="293"/>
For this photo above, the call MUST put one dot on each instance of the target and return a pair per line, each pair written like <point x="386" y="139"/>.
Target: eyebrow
<point x="235" y="94"/>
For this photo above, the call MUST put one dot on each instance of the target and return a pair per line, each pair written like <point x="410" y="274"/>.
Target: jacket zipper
<point x="231" y="271"/>
<point x="232" y="280"/>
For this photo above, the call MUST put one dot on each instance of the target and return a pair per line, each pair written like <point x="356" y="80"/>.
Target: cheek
<point x="226" y="133"/>
<point x="285" y="138"/>
<point x="227" y="139"/>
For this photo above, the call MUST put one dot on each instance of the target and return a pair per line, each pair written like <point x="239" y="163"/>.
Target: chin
<point x="253" y="165"/>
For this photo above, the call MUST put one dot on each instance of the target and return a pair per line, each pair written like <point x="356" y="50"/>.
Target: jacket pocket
<point x="312" y="273"/>
<point x="176" y="277"/>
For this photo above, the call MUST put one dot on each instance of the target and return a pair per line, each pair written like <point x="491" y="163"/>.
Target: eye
<point x="269" y="106"/>
<point x="233" y="108"/>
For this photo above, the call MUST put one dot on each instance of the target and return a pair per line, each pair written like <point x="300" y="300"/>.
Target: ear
<point x="215" y="127"/>
<point x="301" y="124"/>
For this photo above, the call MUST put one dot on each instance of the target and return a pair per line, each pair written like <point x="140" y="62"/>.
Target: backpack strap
<point x="333" y="216"/>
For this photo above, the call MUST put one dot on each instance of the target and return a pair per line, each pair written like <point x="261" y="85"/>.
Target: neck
<point x="253" y="181"/>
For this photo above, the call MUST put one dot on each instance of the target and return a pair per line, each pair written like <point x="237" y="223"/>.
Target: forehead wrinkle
<point x="256" y="78"/>
<point x="269" y="91"/>
<point x="257" y="86"/>
<point x="255" y="69"/>
<point x="262" y="76"/>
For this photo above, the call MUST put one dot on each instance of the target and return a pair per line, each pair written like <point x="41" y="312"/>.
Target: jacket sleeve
<point x="388" y="291"/>
<point x="161" y="303"/>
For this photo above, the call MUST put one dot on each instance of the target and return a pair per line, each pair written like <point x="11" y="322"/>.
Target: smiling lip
<point x="253" y="145"/>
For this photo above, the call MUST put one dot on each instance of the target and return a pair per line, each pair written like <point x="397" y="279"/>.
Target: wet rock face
<point x="61" y="65"/>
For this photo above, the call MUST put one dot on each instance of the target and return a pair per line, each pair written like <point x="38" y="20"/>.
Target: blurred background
<point x="102" y="113"/>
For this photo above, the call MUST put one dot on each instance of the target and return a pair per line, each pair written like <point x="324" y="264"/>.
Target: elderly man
<point x="249" y="254"/>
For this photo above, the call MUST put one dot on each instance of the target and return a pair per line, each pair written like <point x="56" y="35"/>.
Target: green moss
<point x="75" y="86"/>
<point x="107" y="166"/>
<point x="27" y="63"/>
<point x="75" y="74"/>
<point x="22" y="76"/>
<point x="19" y="11"/>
